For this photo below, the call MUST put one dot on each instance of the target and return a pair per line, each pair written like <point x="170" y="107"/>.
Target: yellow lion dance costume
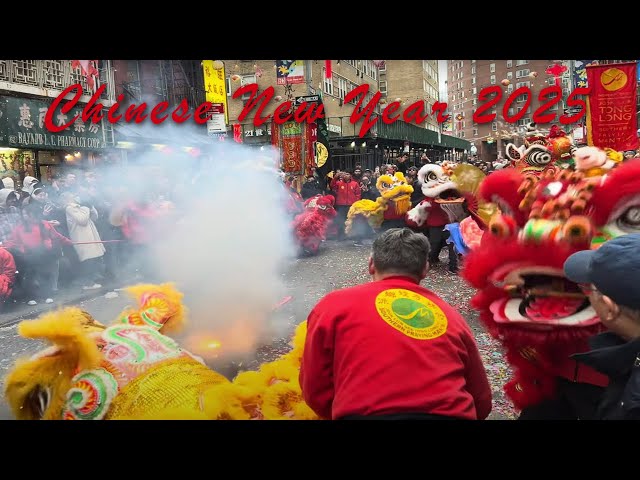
<point x="393" y="203"/>
<point x="131" y="370"/>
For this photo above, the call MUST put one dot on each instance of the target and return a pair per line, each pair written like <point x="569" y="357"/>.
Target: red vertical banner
<point x="611" y="106"/>
<point x="328" y="71"/>
<point x="292" y="154"/>
<point x="237" y="133"/>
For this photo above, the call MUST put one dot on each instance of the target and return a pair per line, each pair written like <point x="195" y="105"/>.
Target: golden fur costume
<point x="395" y="193"/>
<point x="132" y="370"/>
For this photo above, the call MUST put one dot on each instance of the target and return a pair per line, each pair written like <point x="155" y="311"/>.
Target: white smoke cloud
<point x="227" y="249"/>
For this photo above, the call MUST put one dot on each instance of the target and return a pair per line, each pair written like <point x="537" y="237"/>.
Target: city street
<point x="338" y="265"/>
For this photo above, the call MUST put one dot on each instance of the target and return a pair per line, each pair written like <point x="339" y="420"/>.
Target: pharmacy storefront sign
<point x="22" y="125"/>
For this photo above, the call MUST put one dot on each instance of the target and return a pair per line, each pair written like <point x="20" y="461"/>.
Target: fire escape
<point x="165" y="80"/>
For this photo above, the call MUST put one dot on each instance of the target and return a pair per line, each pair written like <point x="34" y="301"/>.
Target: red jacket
<point x="360" y="358"/>
<point x="346" y="193"/>
<point x="45" y="237"/>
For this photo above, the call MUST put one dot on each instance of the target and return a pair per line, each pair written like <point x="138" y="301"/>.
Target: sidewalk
<point x="15" y="312"/>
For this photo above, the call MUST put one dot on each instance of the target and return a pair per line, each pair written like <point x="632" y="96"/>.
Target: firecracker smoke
<point x="228" y="245"/>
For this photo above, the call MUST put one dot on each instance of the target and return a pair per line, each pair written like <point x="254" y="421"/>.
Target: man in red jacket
<point x="392" y="349"/>
<point x="347" y="191"/>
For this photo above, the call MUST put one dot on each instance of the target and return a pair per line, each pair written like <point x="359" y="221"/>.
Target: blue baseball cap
<point x="614" y="269"/>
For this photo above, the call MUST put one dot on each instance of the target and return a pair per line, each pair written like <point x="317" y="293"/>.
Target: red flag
<point x="328" y="72"/>
<point x="611" y="106"/>
<point x="88" y="68"/>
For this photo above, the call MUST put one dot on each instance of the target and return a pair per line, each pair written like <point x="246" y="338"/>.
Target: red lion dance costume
<point x="524" y="299"/>
<point x="310" y="227"/>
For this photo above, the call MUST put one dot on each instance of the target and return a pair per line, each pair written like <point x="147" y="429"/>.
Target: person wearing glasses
<point x="610" y="277"/>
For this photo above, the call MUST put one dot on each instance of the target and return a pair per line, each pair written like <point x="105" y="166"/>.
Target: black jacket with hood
<point x="620" y="361"/>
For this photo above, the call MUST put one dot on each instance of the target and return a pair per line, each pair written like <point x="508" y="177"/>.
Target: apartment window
<point x="521" y="99"/>
<point x="475" y="90"/>
<point x="509" y="63"/>
<point x="492" y="68"/>
<point x="509" y="75"/>
<point x="229" y="87"/>
<point x="383" y="67"/>
<point x="494" y="127"/>
<point x="473" y="61"/>
<point x="383" y="86"/>
<point x="351" y="62"/>
<point x="473" y="80"/>
<point x="474" y="102"/>
<point x="475" y="132"/>
<point x="53" y="74"/>
<point x="342" y="87"/>
<point x="462" y="134"/>
<point x="510" y="88"/>
<point x="369" y="69"/>
<point x="493" y="79"/>
<point x="522" y="73"/>
<point x="512" y="112"/>
<point x="473" y="70"/>
<point x="461" y="63"/>
<point x="522" y="62"/>
<point x="328" y="83"/>
<point x="354" y="101"/>
<point x="523" y="84"/>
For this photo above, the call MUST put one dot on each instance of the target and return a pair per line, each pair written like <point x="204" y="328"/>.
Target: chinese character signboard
<point x="217" y="124"/>
<point x="289" y="72"/>
<point x="215" y="85"/>
<point x="22" y="124"/>
<point x="611" y="106"/>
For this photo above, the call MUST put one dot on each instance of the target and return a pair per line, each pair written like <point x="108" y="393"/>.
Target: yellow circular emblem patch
<point x="613" y="79"/>
<point x="411" y="314"/>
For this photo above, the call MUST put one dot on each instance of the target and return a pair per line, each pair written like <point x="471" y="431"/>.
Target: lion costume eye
<point x="630" y="219"/>
<point x="502" y="226"/>
<point x="432" y="177"/>
<point x="539" y="157"/>
<point x="577" y="230"/>
<point x="385" y="185"/>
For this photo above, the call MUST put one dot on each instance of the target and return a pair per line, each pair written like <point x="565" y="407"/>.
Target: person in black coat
<point x="609" y="276"/>
<point x="311" y="188"/>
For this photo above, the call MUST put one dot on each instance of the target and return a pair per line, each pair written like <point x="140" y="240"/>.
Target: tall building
<point x="346" y="75"/>
<point x="383" y="142"/>
<point x="467" y="78"/>
<point x="410" y="81"/>
<point x="27" y="90"/>
<point x="152" y="82"/>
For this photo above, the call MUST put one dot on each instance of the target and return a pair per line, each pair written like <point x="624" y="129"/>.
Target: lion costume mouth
<point x="449" y="196"/>
<point x="540" y="297"/>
